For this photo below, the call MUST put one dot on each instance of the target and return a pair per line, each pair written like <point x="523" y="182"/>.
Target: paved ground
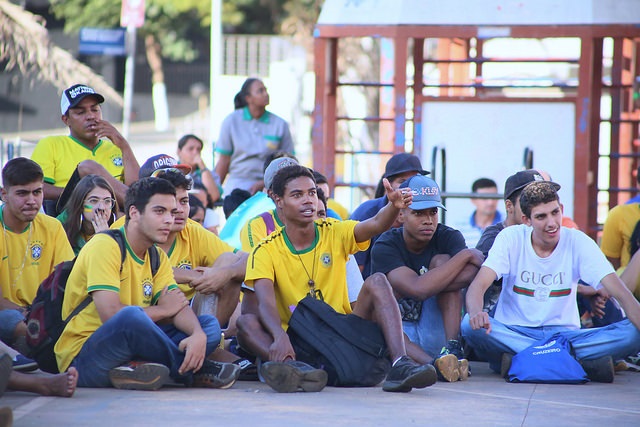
<point x="483" y="400"/>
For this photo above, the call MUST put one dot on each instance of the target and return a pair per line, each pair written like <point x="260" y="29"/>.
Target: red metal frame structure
<point x="453" y="51"/>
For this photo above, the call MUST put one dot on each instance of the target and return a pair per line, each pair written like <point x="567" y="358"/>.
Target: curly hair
<point x="537" y="193"/>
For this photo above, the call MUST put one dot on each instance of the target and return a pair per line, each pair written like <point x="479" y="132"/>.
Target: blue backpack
<point x="547" y="361"/>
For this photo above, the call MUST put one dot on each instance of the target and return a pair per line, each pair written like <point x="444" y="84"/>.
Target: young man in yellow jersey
<point x="135" y="314"/>
<point x="93" y="146"/>
<point x="308" y="254"/>
<point x="31" y="244"/>
<point x="201" y="262"/>
<point x="203" y="265"/>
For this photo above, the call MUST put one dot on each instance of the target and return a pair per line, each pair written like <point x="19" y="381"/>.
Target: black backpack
<point x="352" y="350"/>
<point x="44" y="318"/>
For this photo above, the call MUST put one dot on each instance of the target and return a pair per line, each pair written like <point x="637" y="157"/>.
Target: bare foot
<point x="63" y="385"/>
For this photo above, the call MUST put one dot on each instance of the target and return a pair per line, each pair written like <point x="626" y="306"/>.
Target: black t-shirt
<point x="390" y="251"/>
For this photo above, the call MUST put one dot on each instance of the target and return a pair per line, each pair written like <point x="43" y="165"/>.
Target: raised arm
<point x="104" y="129"/>
<point x="383" y="220"/>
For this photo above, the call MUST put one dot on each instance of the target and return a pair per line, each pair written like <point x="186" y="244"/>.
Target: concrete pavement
<point x="483" y="400"/>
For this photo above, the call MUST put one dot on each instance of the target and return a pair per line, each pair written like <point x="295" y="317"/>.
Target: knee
<point x="378" y="286"/>
<point x="211" y="328"/>
<point x="247" y="323"/>
<point x="87" y="167"/>
<point x="225" y="259"/>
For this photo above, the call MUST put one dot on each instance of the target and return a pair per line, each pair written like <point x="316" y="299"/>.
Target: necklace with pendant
<point x="311" y="282"/>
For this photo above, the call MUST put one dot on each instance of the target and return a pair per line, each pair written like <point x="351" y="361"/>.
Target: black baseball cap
<point x="521" y="179"/>
<point x="403" y="162"/>
<point x="76" y="93"/>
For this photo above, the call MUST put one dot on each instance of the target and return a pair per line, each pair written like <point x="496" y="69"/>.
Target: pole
<point x="215" y="62"/>
<point x="129" y="74"/>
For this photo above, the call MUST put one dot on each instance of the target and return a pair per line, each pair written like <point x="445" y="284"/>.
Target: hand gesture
<point x="598" y="302"/>
<point x="100" y="220"/>
<point x="172" y="301"/>
<point x="480" y="320"/>
<point x="104" y="129"/>
<point x="209" y="282"/>
<point x="194" y="348"/>
<point x="400" y="198"/>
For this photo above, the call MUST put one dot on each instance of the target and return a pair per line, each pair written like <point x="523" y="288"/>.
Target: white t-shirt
<point x="542" y="291"/>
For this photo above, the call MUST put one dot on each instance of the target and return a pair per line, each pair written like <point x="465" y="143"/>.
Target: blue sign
<point x="103" y="41"/>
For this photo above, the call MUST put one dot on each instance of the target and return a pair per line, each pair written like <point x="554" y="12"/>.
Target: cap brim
<point x="555" y="185"/>
<point x="417" y="171"/>
<point x="418" y="206"/>
<point x="97" y="96"/>
<point x="186" y="169"/>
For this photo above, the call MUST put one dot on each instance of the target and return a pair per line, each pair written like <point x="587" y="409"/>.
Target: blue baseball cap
<point x="426" y="193"/>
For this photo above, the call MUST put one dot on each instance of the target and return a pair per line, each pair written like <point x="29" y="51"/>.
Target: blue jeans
<point x="617" y="340"/>
<point x="428" y="331"/>
<point x="9" y="320"/>
<point x="131" y="335"/>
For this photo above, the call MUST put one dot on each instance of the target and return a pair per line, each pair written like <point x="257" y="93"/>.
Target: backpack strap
<point x="117" y="235"/>
<point x="268" y="222"/>
<point x="79" y="308"/>
<point x="155" y="260"/>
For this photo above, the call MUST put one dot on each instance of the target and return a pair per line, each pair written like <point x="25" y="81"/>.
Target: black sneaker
<point x="407" y="374"/>
<point x="453" y="347"/>
<point x="599" y="370"/>
<point x="216" y="375"/>
<point x="139" y="376"/>
<point x="505" y="365"/>
<point x="289" y="376"/>
<point x="248" y="371"/>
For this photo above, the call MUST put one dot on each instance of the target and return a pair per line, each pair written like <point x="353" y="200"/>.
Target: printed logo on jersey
<point x="147" y="290"/>
<point x="325" y="259"/>
<point x="36" y="250"/>
<point x="116" y="160"/>
<point x="185" y="264"/>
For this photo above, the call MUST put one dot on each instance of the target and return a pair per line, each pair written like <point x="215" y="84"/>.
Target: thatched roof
<point x="25" y="44"/>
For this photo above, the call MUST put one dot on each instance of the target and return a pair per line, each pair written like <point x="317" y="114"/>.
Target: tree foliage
<point x="177" y="23"/>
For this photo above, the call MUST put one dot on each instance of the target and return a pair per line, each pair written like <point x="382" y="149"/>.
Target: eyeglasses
<point x="107" y="202"/>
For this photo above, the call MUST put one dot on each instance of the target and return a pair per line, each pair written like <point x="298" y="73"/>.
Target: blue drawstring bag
<point x="547" y="361"/>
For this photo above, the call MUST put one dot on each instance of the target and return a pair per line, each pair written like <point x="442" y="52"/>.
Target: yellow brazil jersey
<point x="195" y="246"/>
<point x="58" y="157"/>
<point x="98" y="269"/>
<point x="29" y="255"/>
<point x="259" y="227"/>
<point x="324" y="262"/>
<point x="617" y="231"/>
